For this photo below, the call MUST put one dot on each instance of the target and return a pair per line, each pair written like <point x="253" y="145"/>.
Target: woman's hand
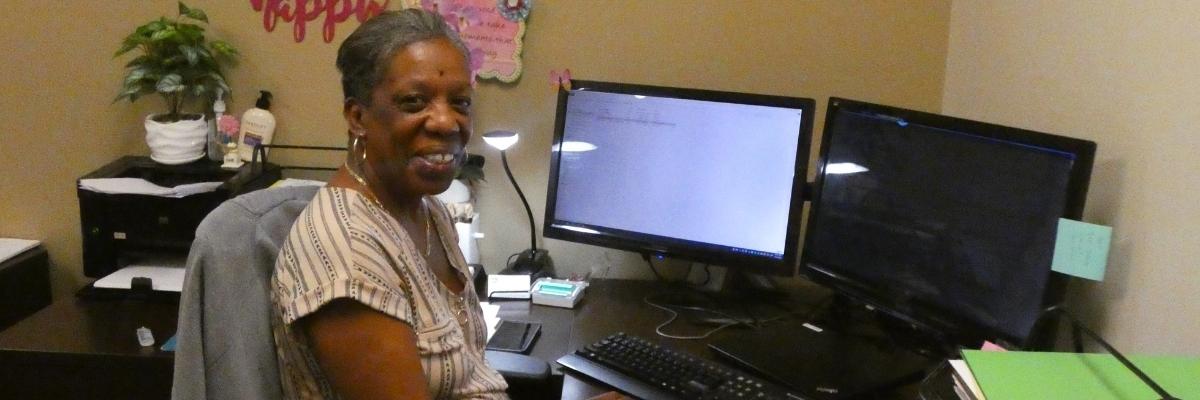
<point x="610" y="396"/>
<point x="364" y="353"/>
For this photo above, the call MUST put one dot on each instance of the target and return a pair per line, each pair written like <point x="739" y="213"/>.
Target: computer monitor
<point x="708" y="176"/>
<point x="944" y="222"/>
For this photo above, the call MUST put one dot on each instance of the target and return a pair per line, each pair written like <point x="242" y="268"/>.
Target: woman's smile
<point x="441" y="165"/>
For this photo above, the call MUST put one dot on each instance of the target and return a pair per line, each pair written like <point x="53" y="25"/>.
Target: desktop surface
<point x="87" y="348"/>
<point x="612" y="306"/>
<point x="90" y="344"/>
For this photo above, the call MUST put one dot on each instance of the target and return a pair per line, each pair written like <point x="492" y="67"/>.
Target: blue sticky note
<point x="1081" y="249"/>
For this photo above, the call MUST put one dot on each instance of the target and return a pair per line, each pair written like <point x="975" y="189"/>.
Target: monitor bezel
<point x="946" y="325"/>
<point x="674" y="248"/>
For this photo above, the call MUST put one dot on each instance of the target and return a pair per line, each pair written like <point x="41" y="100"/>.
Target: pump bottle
<point x="215" y="144"/>
<point x="258" y="126"/>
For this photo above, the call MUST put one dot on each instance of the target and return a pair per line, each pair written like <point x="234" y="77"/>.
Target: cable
<point x="675" y="315"/>
<point x="707" y="275"/>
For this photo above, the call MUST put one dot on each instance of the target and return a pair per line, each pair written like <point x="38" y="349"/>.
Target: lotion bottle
<point x="258" y="126"/>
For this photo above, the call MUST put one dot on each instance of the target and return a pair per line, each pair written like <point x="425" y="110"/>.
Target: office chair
<point x="225" y="348"/>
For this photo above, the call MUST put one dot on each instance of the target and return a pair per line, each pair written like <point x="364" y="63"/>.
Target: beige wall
<point x="59" y="79"/>
<point x="885" y="51"/>
<point x="1121" y="74"/>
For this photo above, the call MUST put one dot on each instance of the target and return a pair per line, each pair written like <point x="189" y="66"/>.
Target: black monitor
<point x="944" y="222"/>
<point x="707" y="176"/>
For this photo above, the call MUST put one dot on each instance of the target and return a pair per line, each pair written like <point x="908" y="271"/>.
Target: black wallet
<point x="514" y="336"/>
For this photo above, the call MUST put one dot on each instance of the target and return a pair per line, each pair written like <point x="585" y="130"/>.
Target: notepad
<point x="1043" y="375"/>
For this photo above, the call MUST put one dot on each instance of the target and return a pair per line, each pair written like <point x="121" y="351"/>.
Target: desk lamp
<point x="532" y="261"/>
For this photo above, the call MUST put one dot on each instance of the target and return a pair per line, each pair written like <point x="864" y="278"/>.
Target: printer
<point x="120" y="228"/>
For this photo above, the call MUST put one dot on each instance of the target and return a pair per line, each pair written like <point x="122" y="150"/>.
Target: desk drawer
<point x="24" y="286"/>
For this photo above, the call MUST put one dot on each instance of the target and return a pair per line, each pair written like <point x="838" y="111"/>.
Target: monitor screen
<point x="942" y="220"/>
<point x="708" y="176"/>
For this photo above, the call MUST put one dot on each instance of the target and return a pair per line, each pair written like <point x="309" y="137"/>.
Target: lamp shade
<point x="501" y="140"/>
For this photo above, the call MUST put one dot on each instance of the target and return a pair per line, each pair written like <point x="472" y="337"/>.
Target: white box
<point x="557" y="292"/>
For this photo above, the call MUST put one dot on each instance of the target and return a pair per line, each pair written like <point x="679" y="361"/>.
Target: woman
<point x="370" y="290"/>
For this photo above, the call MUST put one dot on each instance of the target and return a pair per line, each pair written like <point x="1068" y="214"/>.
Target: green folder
<point x="1040" y="375"/>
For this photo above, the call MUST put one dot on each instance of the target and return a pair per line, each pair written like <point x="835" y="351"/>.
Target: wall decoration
<point x="494" y="40"/>
<point x="514" y="10"/>
<point x="300" y="12"/>
<point x="561" y="79"/>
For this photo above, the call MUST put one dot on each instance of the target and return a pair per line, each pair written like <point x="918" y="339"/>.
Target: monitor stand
<point x="844" y="353"/>
<point x="731" y="296"/>
<point x="732" y="282"/>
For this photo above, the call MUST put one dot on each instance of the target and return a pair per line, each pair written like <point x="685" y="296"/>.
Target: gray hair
<point x="364" y="57"/>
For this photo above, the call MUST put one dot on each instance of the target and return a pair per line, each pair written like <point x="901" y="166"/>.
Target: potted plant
<point x="176" y="62"/>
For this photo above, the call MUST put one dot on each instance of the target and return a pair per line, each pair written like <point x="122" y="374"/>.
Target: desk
<point x="77" y="348"/>
<point x="611" y="306"/>
<point x="86" y="348"/>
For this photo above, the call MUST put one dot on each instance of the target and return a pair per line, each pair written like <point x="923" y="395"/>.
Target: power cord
<point x="675" y="315"/>
<point x="732" y="320"/>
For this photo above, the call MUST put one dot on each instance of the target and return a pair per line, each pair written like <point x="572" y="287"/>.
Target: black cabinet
<point x="24" y="286"/>
<point x="116" y="227"/>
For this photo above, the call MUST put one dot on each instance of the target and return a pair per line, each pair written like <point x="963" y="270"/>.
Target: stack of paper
<point x="964" y="382"/>
<point x="144" y="187"/>
<point x="1043" y="375"/>
<point x="166" y="274"/>
<point x="10" y="248"/>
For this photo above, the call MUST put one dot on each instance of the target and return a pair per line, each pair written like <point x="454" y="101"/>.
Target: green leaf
<point x="223" y="48"/>
<point x="165" y="34"/>
<point x="220" y="81"/>
<point x="125" y="48"/>
<point x="183" y="8"/>
<point x="129" y="92"/>
<point x="174" y="60"/>
<point x="193" y="34"/>
<point x="135" y="75"/>
<point x="139" y="60"/>
<point x="198" y="90"/>
<point x="190" y="53"/>
<point x="169" y="84"/>
<point x="205" y="56"/>
<point x="196" y="14"/>
<point x="155" y="26"/>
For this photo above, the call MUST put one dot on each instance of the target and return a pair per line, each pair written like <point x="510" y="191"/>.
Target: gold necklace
<point x="460" y="307"/>
<point x="424" y="208"/>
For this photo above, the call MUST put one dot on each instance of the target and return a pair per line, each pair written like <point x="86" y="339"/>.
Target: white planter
<point x="176" y="142"/>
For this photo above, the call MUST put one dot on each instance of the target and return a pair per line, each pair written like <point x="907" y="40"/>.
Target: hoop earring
<point x="357" y="168"/>
<point x="354" y="149"/>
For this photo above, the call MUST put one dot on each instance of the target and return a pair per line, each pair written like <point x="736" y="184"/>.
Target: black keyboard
<point x="649" y="371"/>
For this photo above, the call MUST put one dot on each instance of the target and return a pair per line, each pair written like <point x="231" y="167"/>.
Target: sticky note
<point x="989" y="346"/>
<point x="1081" y="249"/>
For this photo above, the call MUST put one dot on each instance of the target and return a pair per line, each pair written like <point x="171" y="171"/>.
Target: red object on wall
<point x="334" y="12"/>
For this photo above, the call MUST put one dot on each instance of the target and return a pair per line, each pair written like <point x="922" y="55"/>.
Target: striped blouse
<point x="345" y="246"/>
